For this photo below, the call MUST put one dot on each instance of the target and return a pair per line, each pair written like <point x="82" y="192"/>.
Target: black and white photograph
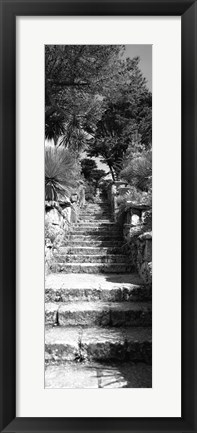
<point x="98" y="216"/>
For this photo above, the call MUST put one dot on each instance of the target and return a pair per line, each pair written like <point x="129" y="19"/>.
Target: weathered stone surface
<point x="146" y="235"/>
<point x="95" y="375"/>
<point x="93" y="237"/>
<point x="92" y="268"/>
<point x="90" y="258"/>
<point x="62" y="344"/>
<point x="133" y="293"/>
<point x="104" y="314"/>
<point x="51" y="313"/>
<point x="95" y="224"/>
<point x="84" y="314"/>
<point x="93" y="287"/>
<point x="118" y="344"/>
<point x="90" y="250"/>
<point x="97" y="243"/>
<point x="71" y="376"/>
<point x="98" y="306"/>
<point x="91" y="281"/>
<point x="95" y="229"/>
<point x="98" y="343"/>
<point x="145" y="271"/>
<point x="125" y="375"/>
<point x="88" y="218"/>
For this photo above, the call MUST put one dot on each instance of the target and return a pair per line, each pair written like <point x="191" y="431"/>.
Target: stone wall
<point x="136" y="222"/>
<point x="59" y="217"/>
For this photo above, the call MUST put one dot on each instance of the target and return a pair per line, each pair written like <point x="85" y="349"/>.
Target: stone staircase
<point x="97" y="312"/>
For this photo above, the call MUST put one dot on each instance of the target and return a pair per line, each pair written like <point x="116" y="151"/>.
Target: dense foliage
<point x="77" y="78"/>
<point x="98" y="101"/>
<point x="92" y="175"/>
<point x="93" y="92"/>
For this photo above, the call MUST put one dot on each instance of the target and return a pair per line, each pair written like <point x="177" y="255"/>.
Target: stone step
<point x="113" y="314"/>
<point x="90" y="258"/>
<point x="97" y="343"/>
<point x="95" y="234"/>
<point x="93" y="220"/>
<point x="97" y="243"/>
<point x="96" y="224"/>
<point x="90" y="250"/>
<point x="92" y="237"/>
<point x="96" y="217"/>
<point x="98" y="375"/>
<point x="89" y="287"/>
<point x="96" y="212"/>
<point x="96" y="231"/>
<point x="98" y="204"/>
<point x="102" y="215"/>
<point x="94" y="206"/>
<point x="91" y="268"/>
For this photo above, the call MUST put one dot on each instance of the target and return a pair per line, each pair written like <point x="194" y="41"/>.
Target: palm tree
<point x="54" y="125"/>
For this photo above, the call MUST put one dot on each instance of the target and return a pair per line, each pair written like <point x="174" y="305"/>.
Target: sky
<point x="145" y="54"/>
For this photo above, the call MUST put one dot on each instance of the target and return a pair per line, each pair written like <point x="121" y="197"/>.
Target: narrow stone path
<point x="97" y="312"/>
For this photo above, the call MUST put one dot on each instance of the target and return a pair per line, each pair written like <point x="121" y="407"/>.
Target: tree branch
<point x="67" y="83"/>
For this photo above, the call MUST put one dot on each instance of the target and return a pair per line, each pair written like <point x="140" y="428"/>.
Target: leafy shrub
<point x="50" y="232"/>
<point x="90" y="192"/>
<point x="135" y="196"/>
<point x="138" y="170"/>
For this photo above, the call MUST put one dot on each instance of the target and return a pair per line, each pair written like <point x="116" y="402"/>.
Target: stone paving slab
<point x="91" y="281"/>
<point x="95" y="375"/>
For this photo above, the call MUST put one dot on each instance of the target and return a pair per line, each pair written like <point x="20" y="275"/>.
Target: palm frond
<point x="61" y="173"/>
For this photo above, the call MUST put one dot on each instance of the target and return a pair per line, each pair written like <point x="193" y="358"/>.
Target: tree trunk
<point x="55" y="139"/>
<point x="112" y="172"/>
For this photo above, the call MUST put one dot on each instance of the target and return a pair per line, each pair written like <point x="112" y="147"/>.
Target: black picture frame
<point x="9" y="11"/>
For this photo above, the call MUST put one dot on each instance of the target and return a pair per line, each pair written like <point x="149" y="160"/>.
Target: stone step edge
<point x="99" y="223"/>
<point x="71" y="344"/>
<point x="107" y="258"/>
<point x="89" y="248"/>
<point x="99" y="265"/>
<point x="94" y="293"/>
<point x="81" y="243"/>
<point x="92" y="237"/>
<point x="98" y="306"/>
<point x="98" y="313"/>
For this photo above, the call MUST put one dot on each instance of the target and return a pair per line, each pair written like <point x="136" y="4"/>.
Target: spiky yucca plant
<point x="61" y="173"/>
